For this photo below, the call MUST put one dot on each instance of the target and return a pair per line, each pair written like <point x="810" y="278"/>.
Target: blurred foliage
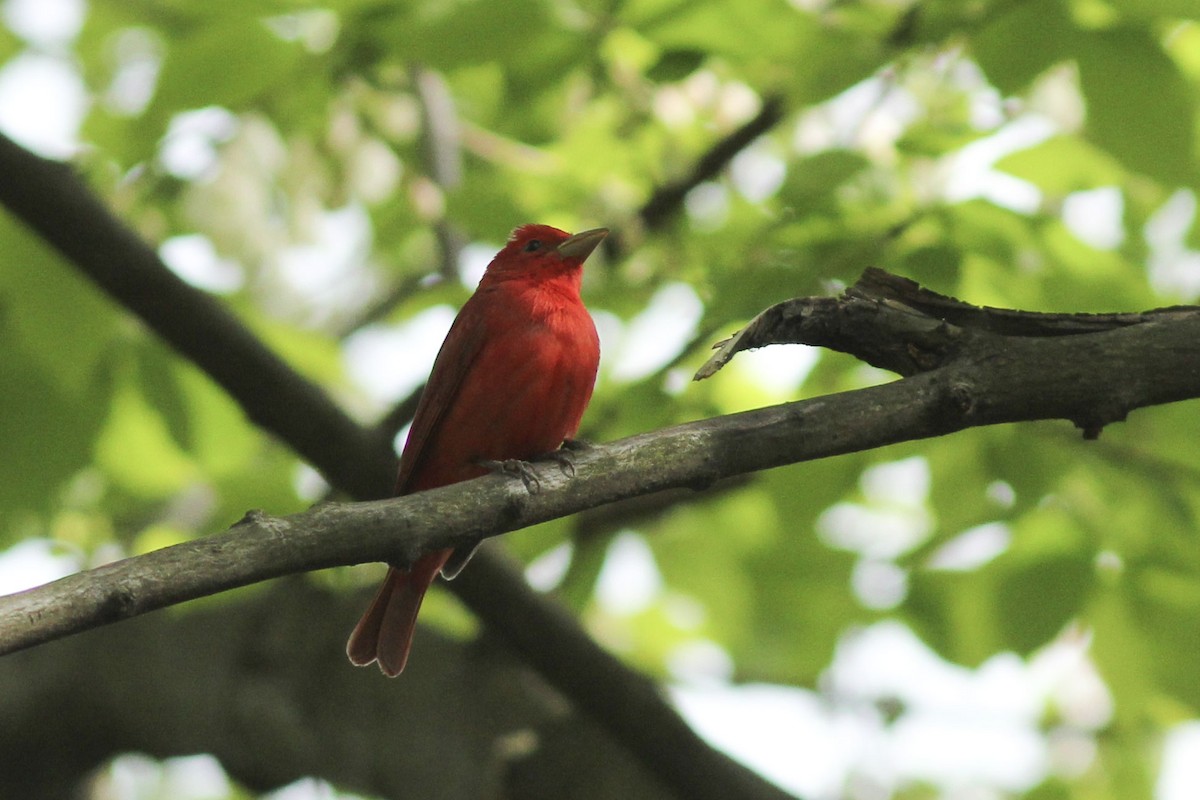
<point x="1039" y="155"/>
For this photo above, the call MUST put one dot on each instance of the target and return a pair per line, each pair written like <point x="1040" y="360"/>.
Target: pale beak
<point x="581" y="245"/>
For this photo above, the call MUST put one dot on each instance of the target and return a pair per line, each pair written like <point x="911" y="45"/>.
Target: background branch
<point x="668" y="198"/>
<point x="49" y="197"/>
<point x="275" y="704"/>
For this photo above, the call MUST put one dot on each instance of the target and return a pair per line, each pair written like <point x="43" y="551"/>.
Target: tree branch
<point x="260" y="546"/>
<point x="895" y="324"/>
<point x="667" y="199"/>
<point x="991" y="378"/>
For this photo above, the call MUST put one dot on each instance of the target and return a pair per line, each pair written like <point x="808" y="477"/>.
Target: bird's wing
<point x="455" y="360"/>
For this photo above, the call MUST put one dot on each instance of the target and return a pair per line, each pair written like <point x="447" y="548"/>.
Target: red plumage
<point x="511" y="381"/>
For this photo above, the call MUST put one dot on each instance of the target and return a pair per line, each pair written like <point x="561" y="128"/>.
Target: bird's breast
<point x="527" y="389"/>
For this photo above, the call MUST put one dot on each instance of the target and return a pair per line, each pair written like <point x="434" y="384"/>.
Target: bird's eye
<point x="533" y="246"/>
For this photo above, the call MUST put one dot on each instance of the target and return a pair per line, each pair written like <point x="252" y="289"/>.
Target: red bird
<point x="511" y="382"/>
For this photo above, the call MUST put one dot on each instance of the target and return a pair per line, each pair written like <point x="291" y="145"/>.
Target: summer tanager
<point x="511" y="382"/>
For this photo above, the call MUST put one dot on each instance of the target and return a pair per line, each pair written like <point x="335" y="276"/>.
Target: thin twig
<point x="667" y="199"/>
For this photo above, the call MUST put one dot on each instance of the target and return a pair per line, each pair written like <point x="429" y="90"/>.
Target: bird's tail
<point x="385" y="632"/>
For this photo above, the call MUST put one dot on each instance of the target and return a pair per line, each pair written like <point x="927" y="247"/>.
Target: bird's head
<point x="541" y="250"/>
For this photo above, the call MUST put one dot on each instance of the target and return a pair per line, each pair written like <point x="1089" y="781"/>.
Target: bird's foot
<point x="516" y="468"/>
<point x="564" y="456"/>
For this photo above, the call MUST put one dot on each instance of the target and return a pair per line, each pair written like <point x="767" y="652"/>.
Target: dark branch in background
<point x="273" y="701"/>
<point x="52" y="200"/>
<point x="381" y="306"/>
<point x="398" y="416"/>
<point x="49" y="197"/>
<point x="667" y="199"/>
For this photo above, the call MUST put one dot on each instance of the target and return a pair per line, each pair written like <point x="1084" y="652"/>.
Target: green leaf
<point x="746" y="31"/>
<point x="1021" y="42"/>
<point x="675" y="65"/>
<point x="588" y="554"/>
<point x="219" y="436"/>
<point x="48" y="428"/>
<point x="932" y="265"/>
<point x="980" y="228"/>
<point x="158" y="381"/>
<point x="1019" y="601"/>
<point x="1085" y="278"/>
<point x="1120" y="650"/>
<point x="1064" y="164"/>
<point x="1139" y="106"/>
<point x="1035" y="599"/>
<point x="811" y="182"/>
<point x="953" y="612"/>
<point x="228" y="63"/>
<point x="59" y="318"/>
<point x="959" y="481"/>
<point x="826" y="60"/>
<point x="1165" y="604"/>
<point x="776" y="597"/>
<point x="1149" y="9"/>
<point x="452" y="35"/>
<point x="1052" y="789"/>
<point x="56" y="336"/>
<point x="136" y="449"/>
